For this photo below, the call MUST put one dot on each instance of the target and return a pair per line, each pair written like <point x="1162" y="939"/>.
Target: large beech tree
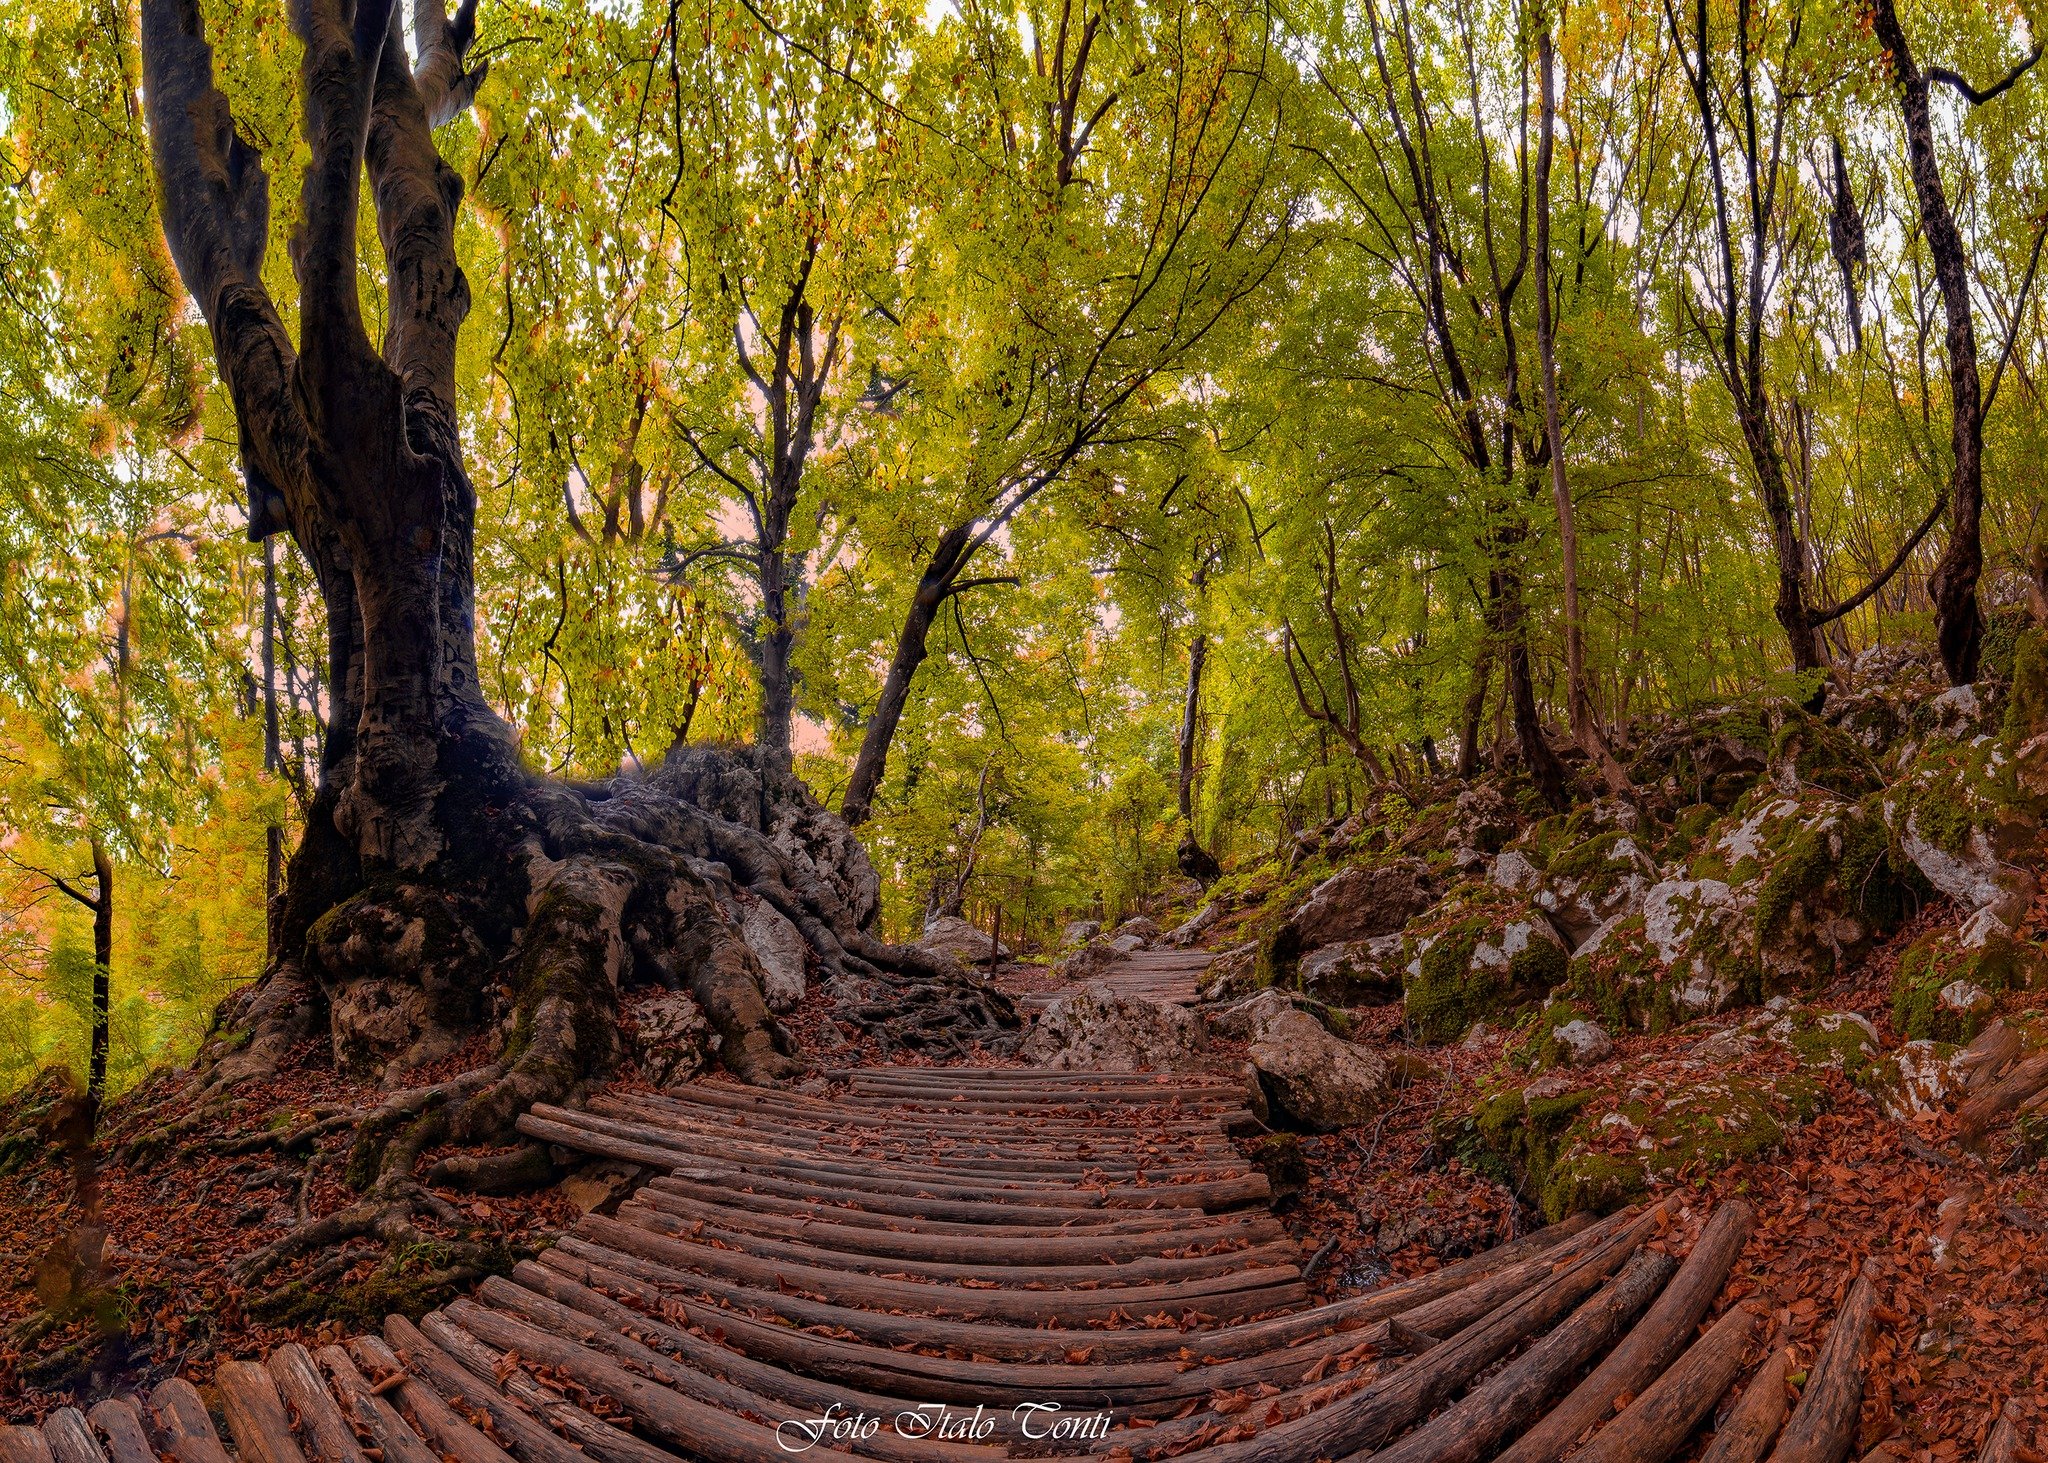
<point x="442" y="891"/>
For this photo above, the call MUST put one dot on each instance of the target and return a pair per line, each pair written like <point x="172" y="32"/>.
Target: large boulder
<point x="1784" y="894"/>
<point x="948" y="934"/>
<point x="1141" y="927"/>
<point x="1568" y="1141"/>
<point x="1097" y="1029"/>
<point x="1966" y="825"/>
<point x="1352" y="972"/>
<point x="1194" y="926"/>
<point x="1483" y="951"/>
<point x="1946" y="989"/>
<point x="1361" y="901"/>
<point x="1232" y="973"/>
<point x="1593" y="881"/>
<point x="1080" y="932"/>
<point x="1320" y="1081"/>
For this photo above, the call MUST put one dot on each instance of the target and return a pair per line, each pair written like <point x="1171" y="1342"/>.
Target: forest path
<point x="1157" y="974"/>
<point x="963" y="1264"/>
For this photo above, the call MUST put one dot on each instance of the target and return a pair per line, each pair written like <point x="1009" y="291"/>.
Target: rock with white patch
<point x="779" y="949"/>
<point x="1098" y="1029"/>
<point x="948" y="934"/>
<point x="1320" y="1081"/>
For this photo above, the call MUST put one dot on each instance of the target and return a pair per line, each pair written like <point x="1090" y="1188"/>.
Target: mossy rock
<point x="2026" y="708"/>
<point x="1808" y="752"/>
<point x="2004" y="628"/>
<point x="1482" y="951"/>
<point x="1934" y="976"/>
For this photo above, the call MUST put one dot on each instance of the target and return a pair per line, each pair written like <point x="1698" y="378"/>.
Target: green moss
<point x="1821" y="755"/>
<point x="2003" y="631"/>
<point x="1935" y="961"/>
<point x="2026" y="708"/>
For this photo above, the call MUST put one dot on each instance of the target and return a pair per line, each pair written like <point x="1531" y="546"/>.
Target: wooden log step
<point x="511" y="1425"/>
<point x="1657" y="1423"/>
<point x="707" y="1433"/>
<point x="1823" y="1426"/>
<point x="510" y="1374"/>
<point x="1371" y="1417"/>
<point x="578" y="1258"/>
<point x="425" y="1411"/>
<point x="701" y="1097"/>
<point x="914" y="1219"/>
<point x="1233" y="1232"/>
<point x="1215" y="1295"/>
<point x="256" y="1415"/>
<point x="1019" y="1158"/>
<point x="1753" y="1423"/>
<point x="71" y="1437"/>
<point x="127" y="1437"/>
<point x="1650" y="1347"/>
<point x="703" y="1147"/>
<point x="1101" y="1274"/>
<point x="24" y="1445"/>
<point x="183" y="1430"/>
<point x="329" y="1437"/>
<point x="373" y="1417"/>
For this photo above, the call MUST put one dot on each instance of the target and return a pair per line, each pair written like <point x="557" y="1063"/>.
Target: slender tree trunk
<point x="273" y="758"/>
<point x="1959" y="624"/>
<point x="1474" y="716"/>
<point x="1512" y="627"/>
<point x="102" y="977"/>
<point x="933" y="585"/>
<point x="1585" y="729"/>
<point x="1190" y="727"/>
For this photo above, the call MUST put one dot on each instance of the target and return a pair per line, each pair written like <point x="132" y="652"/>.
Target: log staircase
<point x="958" y="1265"/>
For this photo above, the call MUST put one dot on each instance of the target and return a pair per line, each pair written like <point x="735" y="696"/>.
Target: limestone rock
<point x="781" y="951"/>
<point x="1230" y="974"/>
<point x="672" y="1041"/>
<point x="1362" y="901"/>
<point x="1481" y="952"/>
<point x="1080" y="931"/>
<point x="1917" y="1080"/>
<point x="948" y="934"/>
<point x="1484" y="819"/>
<point x="1097" y="1029"/>
<point x="1352" y="972"/>
<point x="1320" y="1081"/>
<point x="1583" y="1043"/>
<point x="1946" y="987"/>
<point x="1140" y="926"/>
<point x="1592" y="882"/>
<point x="1195" y="926"/>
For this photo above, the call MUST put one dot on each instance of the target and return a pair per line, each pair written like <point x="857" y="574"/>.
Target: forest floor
<point x="1965" y="1323"/>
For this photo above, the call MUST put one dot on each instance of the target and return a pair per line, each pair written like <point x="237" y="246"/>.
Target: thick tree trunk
<point x="933" y="585"/>
<point x="1959" y="624"/>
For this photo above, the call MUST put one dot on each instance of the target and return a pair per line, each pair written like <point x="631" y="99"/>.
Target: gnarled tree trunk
<point x="443" y="894"/>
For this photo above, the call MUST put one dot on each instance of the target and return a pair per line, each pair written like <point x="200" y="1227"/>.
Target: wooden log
<point x="1510" y="1399"/>
<point x="1823" y="1427"/>
<point x="578" y="1259"/>
<point x="705" y="1433"/>
<point x="584" y="1430"/>
<point x="71" y="1438"/>
<point x="1224" y="1297"/>
<point x="328" y="1434"/>
<point x="372" y="1414"/>
<point x="24" y="1445"/>
<point x="1977" y="1115"/>
<point x="121" y="1425"/>
<point x="256" y="1417"/>
<point x="1052" y="1248"/>
<point x="1649" y="1347"/>
<point x="1657" y="1423"/>
<point x="183" y="1430"/>
<point x="511" y="1425"/>
<point x="1374" y="1415"/>
<point x="1044" y="1275"/>
<point x="904" y="1218"/>
<point x="2003" y="1444"/>
<point x="431" y="1418"/>
<point x="1752" y="1425"/>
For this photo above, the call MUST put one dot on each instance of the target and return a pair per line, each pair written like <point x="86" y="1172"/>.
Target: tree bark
<point x="1190" y="728"/>
<point x="102" y="976"/>
<point x="1585" y="728"/>
<point x="1959" y="624"/>
<point x="933" y="585"/>
<point x="1474" y="715"/>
